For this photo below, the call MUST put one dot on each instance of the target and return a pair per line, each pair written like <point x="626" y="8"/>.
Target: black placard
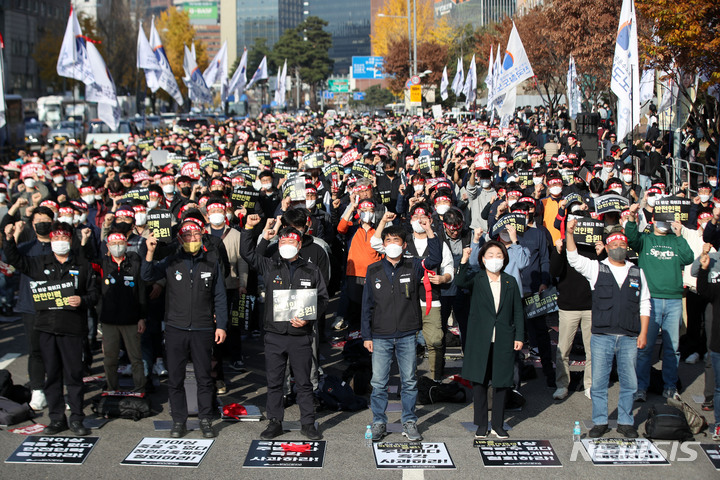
<point x="515" y="219"/>
<point x="611" y="203"/>
<point x="241" y="311"/>
<point x="282" y="169"/>
<point x="573" y="197"/>
<point x="541" y="303"/>
<point x="56" y="450"/>
<point x="431" y="456"/>
<point x="244" y="197"/>
<point x="314" y="160"/>
<point x="288" y="304"/>
<point x="712" y="450"/>
<point x="160" y="223"/>
<point x="408" y="446"/>
<point x="331" y="168"/>
<point x="271" y="454"/>
<point x="671" y="209"/>
<point x="137" y="193"/>
<point x="588" y="231"/>
<point x="167" y="452"/>
<point x="525" y="178"/>
<point x="52" y="295"/>
<point x="361" y="170"/>
<point x="246" y="171"/>
<point x="517" y="453"/>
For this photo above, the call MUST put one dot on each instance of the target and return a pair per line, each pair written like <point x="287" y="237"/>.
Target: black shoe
<point x="55" y="427"/>
<point x="274" y="429"/>
<point x="481" y="432"/>
<point x="500" y="432"/>
<point x="288" y="400"/>
<point x="550" y="380"/>
<point x="310" y="432"/>
<point x="79" y="429"/>
<point x="178" y="430"/>
<point x="598" y="431"/>
<point x="627" y="431"/>
<point x="206" y="428"/>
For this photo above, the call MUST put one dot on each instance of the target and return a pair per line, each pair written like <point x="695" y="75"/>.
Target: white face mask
<point x="310" y="204"/>
<point x="186" y="145"/>
<point x="651" y="201"/>
<point x="152" y="204"/>
<point x="89" y="199"/>
<point x="417" y="228"/>
<point x="58" y="180"/>
<point x="217" y="219"/>
<point x="61" y="247"/>
<point x="607" y="169"/>
<point x="104" y="153"/>
<point x="502" y="164"/>
<point x="418" y="187"/>
<point x="442" y="209"/>
<point x="713" y="183"/>
<point x="68" y="220"/>
<point x="29" y="183"/>
<point x="617" y="190"/>
<point x="98" y="198"/>
<point x="393" y="250"/>
<point x="140" y="218"/>
<point x="117" y="251"/>
<point x="169" y="188"/>
<point x="537" y="180"/>
<point x="493" y="265"/>
<point x="116" y="168"/>
<point x="84" y="170"/>
<point x="704" y="198"/>
<point x="228" y="215"/>
<point x="555" y="190"/>
<point x="485" y="184"/>
<point x="627" y="178"/>
<point x="511" y="202"/>
<point x="288" y="252"/>
<point x="367" y="217"/>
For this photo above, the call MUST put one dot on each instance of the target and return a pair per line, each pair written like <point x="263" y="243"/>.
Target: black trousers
<point x="458" y="304"/>
<point x="36" y="367"/>
<point x="183" y="346"/>
<point x="537" y="330"/>
<point x="62" y="355"/>
<point x="298" y="349"/>
<point x="480" y="400"/>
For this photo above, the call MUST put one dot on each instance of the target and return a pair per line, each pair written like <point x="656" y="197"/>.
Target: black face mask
<point x="43" y="228"/>
<point x="186" y="191"/>
<point x="390" y="173"/>
<point x="123" y="227"/>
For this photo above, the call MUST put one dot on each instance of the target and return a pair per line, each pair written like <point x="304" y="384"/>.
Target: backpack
<point x="337" y="395"/>
<point x="359" y="375"/>
<point x="132" y="406"/>
<point x="430" y="391"/>
<point x="695" y="420"/>
<point x="667" y="423"/>
<point x="12" y="413"/>
<point x="16" y="393"/>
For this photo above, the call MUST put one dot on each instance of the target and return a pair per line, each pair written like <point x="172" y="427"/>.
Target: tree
<point x="375" y="96"/>
<point x="255" y="55"/>
<point x="431" y="56"/>
<point x="117" y="31"/>
<point x="390" y="29"/>
<point x="176" y="32"/>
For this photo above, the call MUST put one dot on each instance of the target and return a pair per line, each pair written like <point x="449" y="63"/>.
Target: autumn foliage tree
<point x="392" y="26"/>
<point x="431" y="56"/>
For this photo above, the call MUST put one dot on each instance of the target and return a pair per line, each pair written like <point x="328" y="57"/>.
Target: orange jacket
<point x="360" y="254"/>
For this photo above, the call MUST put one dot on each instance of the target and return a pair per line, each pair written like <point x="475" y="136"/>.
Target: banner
<point x="137" y="193"/>
<point x="282" y="453"/>
<point x="589" y="231"/>
<point x="52" y="295"/>
<point x="517" y="453"/>
<point x="611" y="203"/>
<point x="672" y="209"/>
<point x="166" y="452"/>
<point x="160" y="224"/>
<point x="541" y="303"/>
<point x="288" y="304"/>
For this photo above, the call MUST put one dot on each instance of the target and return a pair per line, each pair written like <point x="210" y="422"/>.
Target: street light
<point x="412" y="57"/>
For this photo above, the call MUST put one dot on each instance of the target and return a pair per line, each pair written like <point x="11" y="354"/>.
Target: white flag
<point x="218" y="68"/>
<point x="470" y="84"/>
<point x="625" y="81"/>
<point x="573" y="90"/>
<point x="147" y="61"/>
<point x="497" y="100"/>
<point x="102" y="90"/>
<point x="165" y="78"/>
<point x="507" y="112"/>
<point x="489" y="76"/>
<point x="260" y="74"/>
<point x="198" y="90"/>
<point x="444" y="84"/>
<point x="73" y="59"/>
<point x="239" y="79"/>
<point x="2" y="83"/>
<point x="647" y="85"/>
<point x="281" y="85"/>
<point x="515" y="66"/>
<point x="669" y="88"/>
<point x="459" y="80"/>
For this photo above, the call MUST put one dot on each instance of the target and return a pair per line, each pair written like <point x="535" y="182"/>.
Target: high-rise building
<point x="266" y="19"/>
<point x="204" y="17"/>
<point x="349" y="25"/>
<point x="476" y="12"/>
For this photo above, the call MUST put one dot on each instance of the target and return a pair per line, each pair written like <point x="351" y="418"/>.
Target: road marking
<point x="7" y="359"/>
<point x="411" y="474"/>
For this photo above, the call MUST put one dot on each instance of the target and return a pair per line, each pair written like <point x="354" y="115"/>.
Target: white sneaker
<point x="125" y="370"/>
<point x="159" y="368"/>
<point x="38" y="401"/>
<point x="692" y="359"/>
<point x="560" y="393"/>
<point x="587" y="393"/>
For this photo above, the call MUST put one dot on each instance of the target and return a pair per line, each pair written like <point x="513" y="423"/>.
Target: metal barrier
<point x="680" y="171"/>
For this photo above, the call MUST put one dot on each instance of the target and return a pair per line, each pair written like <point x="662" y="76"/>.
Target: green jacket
<point x="508" y="322"/>
<point x="662" y="258"/>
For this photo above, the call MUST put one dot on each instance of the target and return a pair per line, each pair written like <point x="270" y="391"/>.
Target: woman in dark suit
<point x="495" y="331"/>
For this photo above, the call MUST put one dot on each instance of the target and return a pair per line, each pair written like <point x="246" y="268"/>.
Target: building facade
<point x="476" y="12"/>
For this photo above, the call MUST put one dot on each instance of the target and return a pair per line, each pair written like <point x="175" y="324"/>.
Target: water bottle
<point x="576" y="432"/>
<point x="368" y="436"/>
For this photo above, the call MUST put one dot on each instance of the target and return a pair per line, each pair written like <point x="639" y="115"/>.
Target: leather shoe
<point x="55" y="427"/>
<point x="206" y="428"/>
<point x="178" y="430"/>
<point x="627" y="431"/>
<point x="310" y="432"/>
<point x="79" y="429"/>
<point x="274" y="429"/>
<point x="598" y="431"/>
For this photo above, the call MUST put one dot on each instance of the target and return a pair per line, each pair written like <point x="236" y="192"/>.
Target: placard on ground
<point x="517" y="453"/>
<point x="712" y="450"/>
<point x="55" y="450"/>
<point x="623" y="451"/>
<point x="281" y="454"/>
<point x="168" y="452"/>
<point x="429" y="456"/>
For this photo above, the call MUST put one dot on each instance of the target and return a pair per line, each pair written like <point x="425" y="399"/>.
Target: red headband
<point x="217" y="182"/>
<point x="360" y="188"/>
<point x="514" y="193"/>
<point x="60" y="232"/>
<point x="443" y="197"/>
<point x="291" y="235"/>
<point x="138" y="208"/>
<point x="189" y="227"/>
<point x="215" y="205"/>
<point x="366" y="204"/>
<point x="114" y="237"/>
<point x="615" y="236"/>
<point x="419" y="211"/>
<point x="554" y="180"/>
<point x="87" y="190"/>
<point x="125" y="213"/>
<point x="66" y="210"/>
<point x="454" y="228"/>
<point x="49" y="203"/>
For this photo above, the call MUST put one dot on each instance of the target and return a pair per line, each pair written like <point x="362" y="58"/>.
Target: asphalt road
<point x="347" y="456"/>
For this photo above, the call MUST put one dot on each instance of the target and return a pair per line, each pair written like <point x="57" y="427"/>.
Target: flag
<point x="647" y="85"/>
<point x="102" y="89"/>
<point x="239" y="79"/>
<point x="165" y="78"/>
<point x="489" y="76"/>
<point x="497" y="100"/>
<point x="459" y="80"/>
<point x="625" y="81"/>
<point x="444" y="84"/>
<point x="260" y="74"/>
<point x="573" y="90"/>
<point x="515" y="67"/>
<point x="670" y="92"/>
<point x="217" y="71"/>
<point x="470" y="84"/>
<point x="147" y="61"/>
<point x="280" y="85"/>
<point x="2" y="83"/>
<point x="198" y="90"/>
<point x="73" y="59"/>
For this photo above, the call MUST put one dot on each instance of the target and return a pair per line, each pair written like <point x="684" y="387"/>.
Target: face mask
<point x="185" y="145"/>
<point x="493" y="265"/>
<point x="511" y="202"/>
<point x="68" y="220"/>
<point x="117" y="251"/>
<point x="3" y="197"/>
<point x="229" y="216"/>
<point x="89" y="199"/>
<point x="103" y="154"/>
<point x="169" y="188"/>
<point x="310" y="204"/>
<point x="152" y="204"/>
<point x="662" y="227"/>
<point x="505" y="236"/>
<point x="367" y="217"/>
<point x="555" y="190"/>
<point x="651" y="201"/>
<point x="84" y="170"/>
<point x="608" y="169"/>
<point x="627" y="178"/>
<point x="617" y="254"/>
<point x="288" y="251"/>
<point x="267" y="186"/>
<point x="43" y="228"/>
<point x="123" y="227"/>
<point x="704" y="198"/>
<point x="418" y="187"/>
<point x="485" y="184"/>
<point x="417" y="228"/>
<point x="713" y="183"/>
<point x="393" y="250"/>
<point x="100" y="168"/>
<point x="61" y="247"/>
<point x="537" y="180"/>
<point x="140" y="219"/>
<point x="186" y="191"/>
<point x="217" y="218"/>
<point x="617" y="190"/>
<point x="502" y="164"/>
<point x="117" y="168"/>
<point x="82" y="218"/>
<point x="29" y="183"/>
<point x="192" y="247"/>
<point x="442" y="209"/>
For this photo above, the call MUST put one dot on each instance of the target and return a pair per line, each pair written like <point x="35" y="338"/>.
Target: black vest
<point x="189" y="298"/>
<point x="615" y="310"/>
<point x="397" y="301"/>
<point x="412" y="251"/>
